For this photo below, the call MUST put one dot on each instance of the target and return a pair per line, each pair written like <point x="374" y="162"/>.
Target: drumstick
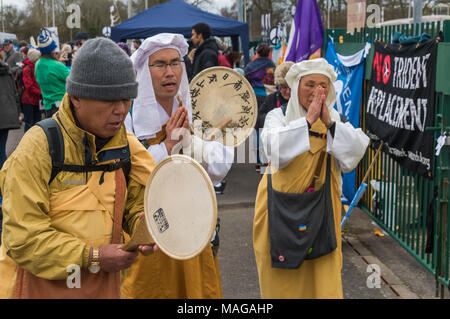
<point x="224" y="123"/>
<point x="180" y="102"/>
<point x="221" y="125"/>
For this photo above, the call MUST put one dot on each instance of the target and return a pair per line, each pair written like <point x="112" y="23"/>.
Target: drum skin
<point x="180" y="207"/>
<point x="223" y="104"/>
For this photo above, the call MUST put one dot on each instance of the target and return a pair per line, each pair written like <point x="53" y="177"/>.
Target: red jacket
<point x="223" y="61"/>
<point x="32" y="93"/>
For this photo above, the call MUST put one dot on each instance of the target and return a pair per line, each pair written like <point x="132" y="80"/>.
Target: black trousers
<point x="31" y="114"/>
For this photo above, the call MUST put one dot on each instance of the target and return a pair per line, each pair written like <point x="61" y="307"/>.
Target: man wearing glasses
<point x="162" y="124"/>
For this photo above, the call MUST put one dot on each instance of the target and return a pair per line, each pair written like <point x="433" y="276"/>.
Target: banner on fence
<point x="401" y="102"/>
<point x="348" y="86"/>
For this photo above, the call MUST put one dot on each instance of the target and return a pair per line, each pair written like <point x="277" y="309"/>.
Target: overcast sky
<point x="217" y="4"/>
<point x="19" y="3"/>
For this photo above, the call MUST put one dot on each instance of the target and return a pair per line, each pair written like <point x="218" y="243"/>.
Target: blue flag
<point x="348" y="85"/>
<point x="306" y="34"/>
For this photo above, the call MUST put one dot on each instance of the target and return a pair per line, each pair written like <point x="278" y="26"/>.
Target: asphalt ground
<point x="393" y="273"/>
<point x="374" y="267"/>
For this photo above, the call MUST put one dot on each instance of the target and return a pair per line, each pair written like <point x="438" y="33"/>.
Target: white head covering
<point x="296" y="72"/>
<point x="146" y="120"/>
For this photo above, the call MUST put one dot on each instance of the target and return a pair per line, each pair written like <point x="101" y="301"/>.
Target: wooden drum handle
<point x="140" y="236"/>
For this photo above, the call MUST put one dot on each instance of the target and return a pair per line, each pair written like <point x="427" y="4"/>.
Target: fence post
<point x="447" y="30"/>
<point x="443" y="162"/>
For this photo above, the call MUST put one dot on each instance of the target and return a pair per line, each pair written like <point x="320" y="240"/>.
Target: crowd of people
<point x="116" y="109"/>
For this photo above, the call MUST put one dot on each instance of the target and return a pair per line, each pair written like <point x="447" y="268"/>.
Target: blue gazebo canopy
<point x="176" y="16"/>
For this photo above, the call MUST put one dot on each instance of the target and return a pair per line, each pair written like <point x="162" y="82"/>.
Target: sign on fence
<point x="401" y="102"/>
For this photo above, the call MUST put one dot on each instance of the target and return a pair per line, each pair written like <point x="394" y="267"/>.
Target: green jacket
<point x="51" y="76"/>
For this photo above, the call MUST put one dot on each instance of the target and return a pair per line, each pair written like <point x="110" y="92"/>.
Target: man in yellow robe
<point x="296" y="140"/>
<point x="155" y="119"/>
<point x="62" y="232"/>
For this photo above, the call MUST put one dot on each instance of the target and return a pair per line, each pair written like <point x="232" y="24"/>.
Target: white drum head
<point x="223" y="101"/>
<point x="180" y="207"/>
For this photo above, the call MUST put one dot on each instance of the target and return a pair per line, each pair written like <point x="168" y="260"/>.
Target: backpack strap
<point x="55" y="144"/>
<point x="55" y="140"/>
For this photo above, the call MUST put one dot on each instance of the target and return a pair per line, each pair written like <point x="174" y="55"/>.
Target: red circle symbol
<point x="386" y="69"/>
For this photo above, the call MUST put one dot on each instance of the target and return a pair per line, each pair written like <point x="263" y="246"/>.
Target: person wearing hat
<point x="81" y="38"/>
<point x="51" y="75"/>
<point x="155" y="118"/>
<point x="32" y="92"/>
<point x="61" y="236"/>
<point x="296" y="227"/>
<point x="274" y="100"/>
<point x="278" y="98"/>
<point x="12" y="57"/>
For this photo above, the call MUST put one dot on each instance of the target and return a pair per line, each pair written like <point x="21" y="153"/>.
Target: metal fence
<point x="410" y="208"/>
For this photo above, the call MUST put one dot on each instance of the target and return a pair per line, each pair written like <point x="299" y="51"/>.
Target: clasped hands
<point x="177" y="129"/>
<point x="318" y="108"/>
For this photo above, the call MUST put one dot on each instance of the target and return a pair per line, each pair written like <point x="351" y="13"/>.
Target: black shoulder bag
<point x="301" y="226"/>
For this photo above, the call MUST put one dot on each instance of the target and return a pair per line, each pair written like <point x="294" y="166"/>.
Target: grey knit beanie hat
<point x="101" y="70"/>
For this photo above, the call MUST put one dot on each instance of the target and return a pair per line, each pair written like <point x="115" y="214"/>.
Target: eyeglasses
<point x="284" y="87"/>
<point x="162" y="66"/>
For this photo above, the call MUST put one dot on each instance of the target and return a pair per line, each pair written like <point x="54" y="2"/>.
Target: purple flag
<point x="306" y="32"/>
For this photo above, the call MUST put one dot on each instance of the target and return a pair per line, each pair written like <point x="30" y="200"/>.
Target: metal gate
<point x="410" y="208"/>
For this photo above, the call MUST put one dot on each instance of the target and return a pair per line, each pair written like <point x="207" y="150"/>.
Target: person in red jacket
<point x="32" y="93"/>
<point x="223" y="60"/>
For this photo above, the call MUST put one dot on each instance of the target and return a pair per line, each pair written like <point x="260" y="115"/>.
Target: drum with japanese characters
<point x="224" y="106"/>
<point x="180" y="209"/>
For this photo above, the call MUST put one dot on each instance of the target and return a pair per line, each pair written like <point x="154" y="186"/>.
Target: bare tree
<point x="139" y="5"/>
<point x="230" y="12"/>
<point x="95" y="13"/>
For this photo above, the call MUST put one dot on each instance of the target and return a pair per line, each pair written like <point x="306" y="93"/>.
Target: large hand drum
<point x="224" y="106"/>
<point x="180" y="209"/>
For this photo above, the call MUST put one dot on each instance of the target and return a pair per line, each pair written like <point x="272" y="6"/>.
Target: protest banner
<point x="401" y="102"/>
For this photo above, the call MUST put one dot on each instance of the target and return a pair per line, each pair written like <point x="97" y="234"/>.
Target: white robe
<point x="215" y="158"/>
<point x="283" y="142"/>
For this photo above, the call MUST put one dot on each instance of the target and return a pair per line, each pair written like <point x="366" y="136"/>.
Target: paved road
<point x="14" y="137"/>
<point x="238" y="267"/>
<point x="236" y="258"/>
<point x="403" y="277"/>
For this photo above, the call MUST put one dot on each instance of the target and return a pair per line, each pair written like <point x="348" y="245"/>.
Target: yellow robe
<point x="316" y="278"/>
<point x="49" y="227"/>
<point x="159" y="276"/>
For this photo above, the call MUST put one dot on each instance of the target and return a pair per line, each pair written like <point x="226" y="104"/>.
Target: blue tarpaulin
<point x="176" y="16"/>
<point x="348" y="85"/>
